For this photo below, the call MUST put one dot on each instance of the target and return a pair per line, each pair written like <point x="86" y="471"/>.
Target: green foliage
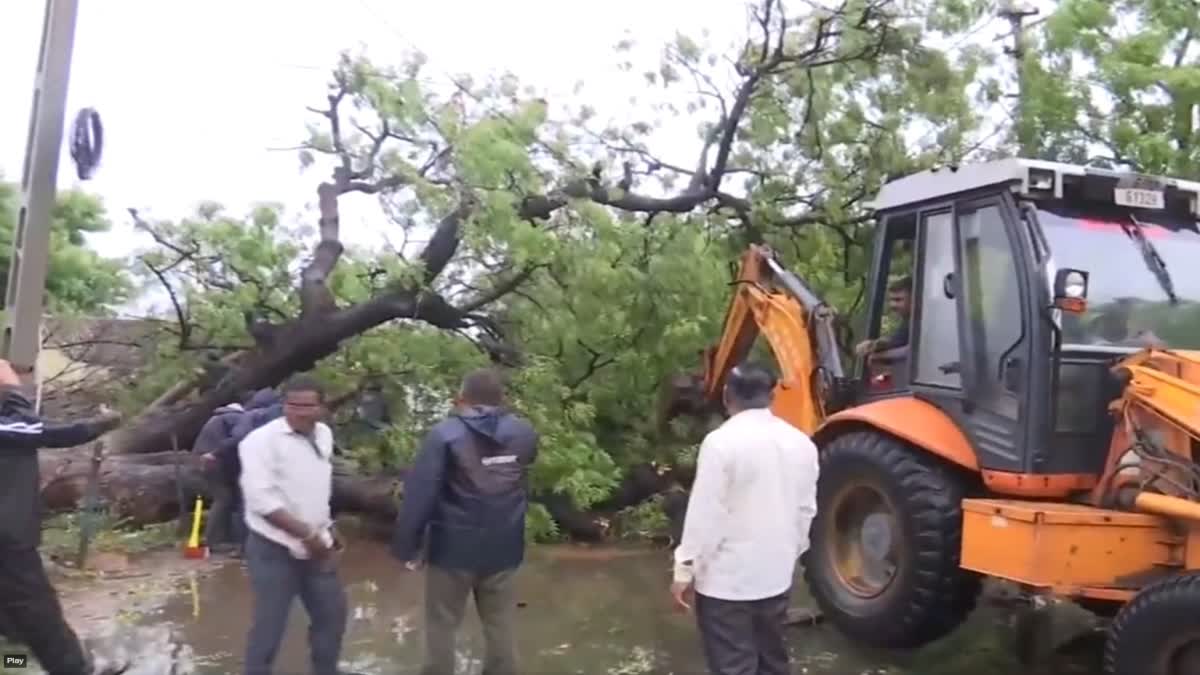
<point x="540" y="526"/>
<point x="1117" y="83"/>
<point x="626" y="286"/>
<point x="622" y="296"/>
<point x="643" y="521"/>
<point x="78" y="280"/>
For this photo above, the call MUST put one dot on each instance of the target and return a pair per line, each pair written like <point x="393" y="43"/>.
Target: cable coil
<point x="87" y="142"/>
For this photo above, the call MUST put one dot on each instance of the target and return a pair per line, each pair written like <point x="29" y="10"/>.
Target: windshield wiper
<point x="1154" y="261"/>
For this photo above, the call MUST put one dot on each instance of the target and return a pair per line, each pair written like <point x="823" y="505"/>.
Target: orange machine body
<point x="1050" y="532"/>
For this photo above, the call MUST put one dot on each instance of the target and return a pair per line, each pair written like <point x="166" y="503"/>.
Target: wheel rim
<point x="1182" y="655"/>
<point x="864" y="531"/>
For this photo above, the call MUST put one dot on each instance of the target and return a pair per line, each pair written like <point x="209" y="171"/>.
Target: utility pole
<point x="1016" y="15"/>
<point x="24" y="300"/>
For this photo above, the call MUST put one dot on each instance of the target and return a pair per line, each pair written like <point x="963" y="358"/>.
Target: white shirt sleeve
<point x="261" y="494"/>
<point x="707" y="514"/>
<point x="806" y="501"/>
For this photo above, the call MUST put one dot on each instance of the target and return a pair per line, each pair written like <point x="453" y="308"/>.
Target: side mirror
<point x="1070" y="290"/>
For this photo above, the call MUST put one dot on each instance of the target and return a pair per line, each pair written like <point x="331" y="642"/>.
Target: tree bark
<point x="641" y="482"/>
<point x="142" y="489"/>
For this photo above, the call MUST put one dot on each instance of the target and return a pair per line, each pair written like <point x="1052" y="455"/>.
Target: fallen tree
<point x="502" y="205"/>
<point x="146" y="489"/>
<point x="424" y="156"/>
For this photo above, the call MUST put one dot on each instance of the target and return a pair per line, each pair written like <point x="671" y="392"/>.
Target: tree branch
<point x="500" y="290"/>
<point x="185" y="326"/>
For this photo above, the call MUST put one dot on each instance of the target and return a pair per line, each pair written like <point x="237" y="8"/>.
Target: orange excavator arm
<point x="798" y="326"/>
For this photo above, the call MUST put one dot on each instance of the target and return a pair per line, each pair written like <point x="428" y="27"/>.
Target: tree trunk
<point x="142" y="489"/>
<point x="641" y="482"/>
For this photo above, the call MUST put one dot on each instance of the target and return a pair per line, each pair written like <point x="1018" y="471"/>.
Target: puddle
<point x="597" y="611"/>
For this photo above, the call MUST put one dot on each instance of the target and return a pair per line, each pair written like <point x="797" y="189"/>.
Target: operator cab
<point x="1027" y="280"/>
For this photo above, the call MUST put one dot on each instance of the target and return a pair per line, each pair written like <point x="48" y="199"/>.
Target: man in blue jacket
<point x="265" y="405"/>
<point x="29" y="605"/>
<point x="219" y="532"/>
<point x="464" y="507"/>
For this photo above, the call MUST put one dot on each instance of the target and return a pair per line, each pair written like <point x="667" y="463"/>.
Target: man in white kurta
<point x="748" y="517"/>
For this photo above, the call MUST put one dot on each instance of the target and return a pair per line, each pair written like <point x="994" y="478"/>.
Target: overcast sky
<point x="193" y="94"/>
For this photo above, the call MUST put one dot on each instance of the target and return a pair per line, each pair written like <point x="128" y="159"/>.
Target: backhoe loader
<point x="1039" y="421"/>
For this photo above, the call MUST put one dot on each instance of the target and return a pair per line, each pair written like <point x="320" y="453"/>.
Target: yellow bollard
<point x="194" y="550"/>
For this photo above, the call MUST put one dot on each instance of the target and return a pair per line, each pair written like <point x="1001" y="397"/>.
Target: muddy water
<point x="581" y="611"/>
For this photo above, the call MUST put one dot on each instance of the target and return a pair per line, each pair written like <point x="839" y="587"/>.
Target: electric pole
<point x="25" y="295"/>
<point x="1016" y="15"/>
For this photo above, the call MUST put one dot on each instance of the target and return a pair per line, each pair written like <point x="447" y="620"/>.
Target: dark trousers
<point x="446" y="594"/>
<point x="743" y="637"/>
<point x="222" y="514"/>
<point x="276" y="579"/>
<point x="30" y="613"/>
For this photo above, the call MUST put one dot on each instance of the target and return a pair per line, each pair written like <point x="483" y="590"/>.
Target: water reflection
<point x="581" y="612"/>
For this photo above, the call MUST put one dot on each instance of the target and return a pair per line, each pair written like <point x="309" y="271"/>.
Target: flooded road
<point x="601" y="611"/>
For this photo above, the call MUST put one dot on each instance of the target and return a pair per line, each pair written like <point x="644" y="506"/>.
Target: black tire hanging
<point x="926" y="594"/>
<point x="1158" y="632"/>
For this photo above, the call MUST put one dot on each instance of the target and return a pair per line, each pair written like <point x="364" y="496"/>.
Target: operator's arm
<point x="422" y="486"/>
<point x="898" y="338"/>
<point x="705" y="523"/>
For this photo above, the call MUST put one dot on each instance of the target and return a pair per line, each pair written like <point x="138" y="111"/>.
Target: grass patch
<point x="60" y="536"/>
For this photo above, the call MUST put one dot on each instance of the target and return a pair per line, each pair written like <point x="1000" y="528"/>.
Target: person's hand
<point x="684" y="594"/>
<point x="316" y="545"/>
<point x="865" y="347"/>
<point x="414" y="565"/>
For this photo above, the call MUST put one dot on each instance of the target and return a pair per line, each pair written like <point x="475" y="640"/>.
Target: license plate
<point x="1139" y="199"/>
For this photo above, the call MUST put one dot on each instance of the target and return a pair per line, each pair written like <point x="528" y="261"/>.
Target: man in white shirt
<point x="748" y="516"/>
<point x="287" y="480"/>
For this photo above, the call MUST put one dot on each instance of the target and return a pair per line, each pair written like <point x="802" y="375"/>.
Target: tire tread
<point x="941" y="594"/>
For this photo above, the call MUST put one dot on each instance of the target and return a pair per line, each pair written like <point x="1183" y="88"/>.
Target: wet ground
<point x="587" y="611"/>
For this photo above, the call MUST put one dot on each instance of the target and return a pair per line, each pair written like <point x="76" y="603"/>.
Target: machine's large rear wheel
<point x="1158" y="632"/>
<point x="884" y="565"/>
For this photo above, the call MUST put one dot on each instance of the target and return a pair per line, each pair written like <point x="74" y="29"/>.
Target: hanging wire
<point x="87" y="142"/>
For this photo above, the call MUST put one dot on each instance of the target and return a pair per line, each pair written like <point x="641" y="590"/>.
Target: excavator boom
<point x="771" y="301"/>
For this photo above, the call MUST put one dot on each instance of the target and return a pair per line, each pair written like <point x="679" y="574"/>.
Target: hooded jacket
<point x="264" y="406"/>
<point x="218" y="428"/>
<point x="467" y="493"/>
<point x="22" y="434"/>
